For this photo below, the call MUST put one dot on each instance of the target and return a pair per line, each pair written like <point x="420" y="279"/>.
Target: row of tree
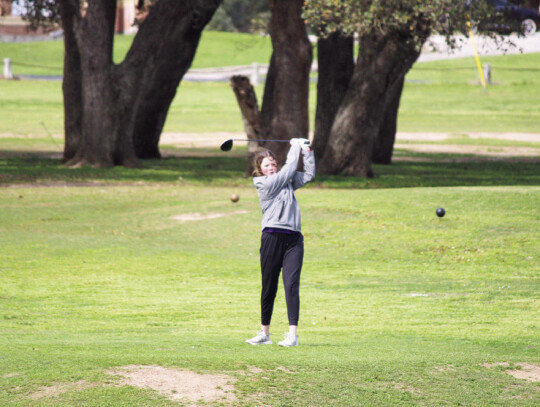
<point x="114" y="113"/>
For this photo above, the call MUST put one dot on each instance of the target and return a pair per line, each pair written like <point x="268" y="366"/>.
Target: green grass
<point x="506" y="69"/>
<point x="466" y="108"/>
<point x="399" y="307"/>
<point x="34" y="58"/>
<point x="232" y="49"/>
<point x="27" y="104"/>
<point x="212" y="107"/>
<point x="440" y="96"/>
<point x="215" y="49"/>
<point x="20" y="163"/>
<point x="447" y="95"/>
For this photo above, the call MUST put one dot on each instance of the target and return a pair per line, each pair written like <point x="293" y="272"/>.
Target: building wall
<point x="125" y="16"/>
<point x="15" y="26"/>
<point x="5" y="7"/>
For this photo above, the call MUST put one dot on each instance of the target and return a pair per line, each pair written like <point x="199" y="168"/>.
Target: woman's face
<point x="268" y="166"/>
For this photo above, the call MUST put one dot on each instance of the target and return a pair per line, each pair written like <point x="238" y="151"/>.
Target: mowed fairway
<point x="123" y="287"/>
<point x="399" y="307"/>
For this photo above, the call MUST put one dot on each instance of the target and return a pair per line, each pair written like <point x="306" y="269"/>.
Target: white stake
<point x="8" y="73"/>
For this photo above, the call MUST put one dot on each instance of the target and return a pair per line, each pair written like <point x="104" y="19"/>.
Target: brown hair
<point x="257" y="161"/>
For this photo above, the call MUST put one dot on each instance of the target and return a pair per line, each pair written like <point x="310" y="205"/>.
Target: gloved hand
<point x="295" y="142"/>
<point x="304" y="143"/>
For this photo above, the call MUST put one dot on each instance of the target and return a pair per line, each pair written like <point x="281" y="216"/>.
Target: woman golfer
<point x="282" y="243"/>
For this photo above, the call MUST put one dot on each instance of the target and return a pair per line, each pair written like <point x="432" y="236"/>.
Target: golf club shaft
<point x="279" y="141"/>
<point x="228" y="144"/>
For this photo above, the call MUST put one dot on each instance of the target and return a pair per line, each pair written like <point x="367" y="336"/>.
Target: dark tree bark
<point x="124" y="107"/>
<point x="251" y="116"/>
<point x="71" y="85"/>
<point x="174" y="54"/>
<point x="384" y="145"/>
<point x="94" y="36"/>
<point x="382" y="61"/>
<point x="247" y="101"/>
<point x="284" y="112"/>
<point x="288" y="80"/>
<point x="335" y="68"/>
<point x="267" y="109"/>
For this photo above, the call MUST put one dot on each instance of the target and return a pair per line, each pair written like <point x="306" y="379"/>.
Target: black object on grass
<point x="227" y="145"/>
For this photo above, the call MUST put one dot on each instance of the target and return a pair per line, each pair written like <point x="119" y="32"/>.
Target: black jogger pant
<point x="281" y="250"/>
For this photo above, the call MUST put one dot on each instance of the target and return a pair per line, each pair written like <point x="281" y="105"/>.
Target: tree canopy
<point x="360" y="17"/>
<point x="365" y="93"/>
<point x="241" y="16"/>
<point x="41" y="13"/>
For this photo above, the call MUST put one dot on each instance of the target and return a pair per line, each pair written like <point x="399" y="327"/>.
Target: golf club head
<point x="227" y="145"/>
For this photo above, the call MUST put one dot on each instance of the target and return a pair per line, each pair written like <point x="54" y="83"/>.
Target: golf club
<point x="228" y="144"/>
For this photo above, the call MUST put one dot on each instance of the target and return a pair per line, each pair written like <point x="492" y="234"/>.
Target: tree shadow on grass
<point x="200" y="168"/>
<point x="438" y="171"/>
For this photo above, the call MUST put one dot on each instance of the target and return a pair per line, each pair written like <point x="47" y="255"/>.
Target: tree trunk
<point x="123" y="108"/>
<point x="384" y="145"/>
<point x="251" y="116"/>
<point x="289" y="81"/>
<point x="173" y="29"/>
<point x="335" y="65"/>
<point x="284" y="112"/>
<point x="267" y="108"/>
<point x="382" y="61"/>
<point x="71" y="84"/>
<point x="247" y="101"/>
<point x="94" y="36"/>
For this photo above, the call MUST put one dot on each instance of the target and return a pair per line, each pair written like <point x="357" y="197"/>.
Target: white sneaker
<point x="290" y="340"/>
<point x="260" y="339"/>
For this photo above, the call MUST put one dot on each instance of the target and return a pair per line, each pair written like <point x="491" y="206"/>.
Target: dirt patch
<point x="58" y="389"/>
<point x="30" y="136"/>
<point x="526" y="371"/>
<point x="471" y="149"/>
<point x="255" y="370"/>
<point x="445" y="369"/>
<point x="215" y="139"/>
<point x="526" y="137"/>
<point x="186" y="217"/>
<point x="179" y="385"/>
<point x="8" y="375"/>
<point x="285" y="370"/>
<point x="405" y="388"/>
<point x="212" y="141"/>
<point x="198" y="139"/>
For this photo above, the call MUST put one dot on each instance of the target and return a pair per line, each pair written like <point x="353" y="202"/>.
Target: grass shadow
<point x="200" y="167"/>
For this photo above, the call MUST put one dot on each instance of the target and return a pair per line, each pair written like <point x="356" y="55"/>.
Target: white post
<point x="255" y="74"/>
<point x="487" y="73"/>
<point x="8" y="74"/>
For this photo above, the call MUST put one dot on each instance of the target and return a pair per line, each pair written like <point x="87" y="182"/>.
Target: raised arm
<point x="302" y="178"/>
<point x="272" y="184"/>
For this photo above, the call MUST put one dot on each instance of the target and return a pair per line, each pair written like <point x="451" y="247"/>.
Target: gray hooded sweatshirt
<point x="276" y="192"/>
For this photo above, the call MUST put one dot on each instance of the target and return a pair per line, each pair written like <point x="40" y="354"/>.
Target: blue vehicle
<point x="510" y="18"/>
